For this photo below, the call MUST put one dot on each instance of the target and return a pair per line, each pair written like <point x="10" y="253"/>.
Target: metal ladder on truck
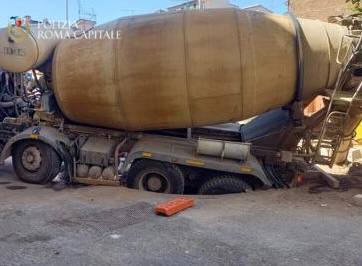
<point x="332" y="133"/>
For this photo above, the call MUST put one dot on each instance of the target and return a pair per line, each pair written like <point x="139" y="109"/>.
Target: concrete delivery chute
<point x="118" y="111"/>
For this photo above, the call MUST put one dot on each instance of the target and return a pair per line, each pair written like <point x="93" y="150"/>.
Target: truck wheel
<point x="153" y="176"/>
<point x="35" y="162"/>
<point x="224" y="185"/>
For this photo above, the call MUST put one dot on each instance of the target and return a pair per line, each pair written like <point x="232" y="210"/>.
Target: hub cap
<point x="155" y="182"/>
<point x="31" y="158"/>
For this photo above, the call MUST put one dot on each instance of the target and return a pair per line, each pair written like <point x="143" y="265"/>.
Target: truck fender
<point x="155" y="149"/>
<point x="48" y="135"/>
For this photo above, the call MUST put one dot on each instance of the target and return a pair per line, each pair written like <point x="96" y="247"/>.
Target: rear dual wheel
<point x="35" y="162"/>
<point x="154" y="176"/>
<point x="225" y="184"/>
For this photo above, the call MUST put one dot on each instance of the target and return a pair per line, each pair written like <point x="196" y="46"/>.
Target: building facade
<point x="319" y="9"/>
<point x="259" y="8"/>
<point x="206" y="4"/>
<point x="85" y="24"/>
<point x="201" y="4"/>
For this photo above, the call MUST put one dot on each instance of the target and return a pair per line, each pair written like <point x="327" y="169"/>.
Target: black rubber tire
<point x="50" y="164"/>
<point x="225" y="184"/>
<point x="172" y="173"/>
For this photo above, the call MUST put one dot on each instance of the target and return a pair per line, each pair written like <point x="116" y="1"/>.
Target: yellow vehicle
<point x="359" y="133"/>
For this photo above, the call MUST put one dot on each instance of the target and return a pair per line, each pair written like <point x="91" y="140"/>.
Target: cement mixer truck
<point x="156" y="109"/>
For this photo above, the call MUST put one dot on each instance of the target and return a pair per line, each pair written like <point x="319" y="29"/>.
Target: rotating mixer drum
<point x="191" y="68"/>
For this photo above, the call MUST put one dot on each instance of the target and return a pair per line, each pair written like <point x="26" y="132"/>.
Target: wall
<point x="319" y="9"/>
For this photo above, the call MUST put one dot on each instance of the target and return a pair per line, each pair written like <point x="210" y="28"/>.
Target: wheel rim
<point x="31" y="158"/>
<point x="154" y="182"/>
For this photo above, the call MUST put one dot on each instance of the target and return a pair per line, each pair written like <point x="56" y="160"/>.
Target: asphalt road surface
<point x="117" y="226"/>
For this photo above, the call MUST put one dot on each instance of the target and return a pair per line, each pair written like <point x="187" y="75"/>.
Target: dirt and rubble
<point x="117" y="226"/>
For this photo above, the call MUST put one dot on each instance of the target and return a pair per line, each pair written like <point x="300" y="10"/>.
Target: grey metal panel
<point x="183" y="152"/>
<point x="97" y="151"/>
<point x="264" y="124"/>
